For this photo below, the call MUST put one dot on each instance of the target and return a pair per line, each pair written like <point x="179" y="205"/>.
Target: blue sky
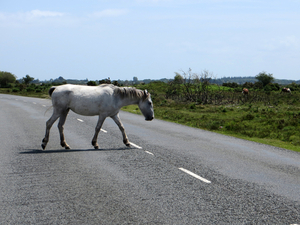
<point x="149" y="39"/>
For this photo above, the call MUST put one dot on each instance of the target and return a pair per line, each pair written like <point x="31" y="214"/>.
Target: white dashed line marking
<point x="195" y="175"/>
<point x="80" y="120"/>
<point x="34" y="103"/>
<point x="134" y="145"/>
<point x="44" y="106"/>
<point x="150" y="153"/>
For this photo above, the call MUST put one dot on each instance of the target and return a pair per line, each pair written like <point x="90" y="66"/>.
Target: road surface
<point x="172" y="174"/>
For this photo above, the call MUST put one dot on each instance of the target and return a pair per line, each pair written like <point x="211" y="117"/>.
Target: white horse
<point x="104" y="100"/>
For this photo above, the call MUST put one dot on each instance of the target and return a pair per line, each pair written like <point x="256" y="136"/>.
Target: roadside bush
<point x="193" y="106"/>
<point x="263" y="134"/>
<point x="223" y="109"/>
<point x="21" y="87"/>
<point x="30" y="89"/>
<point x="248" y="117"/>
<point x="38" y="90"/>
<point x="8" y="85"/>
<point x="214" y="125"/>
<point x="295" y="140"/>
<point x="233" y="126"/>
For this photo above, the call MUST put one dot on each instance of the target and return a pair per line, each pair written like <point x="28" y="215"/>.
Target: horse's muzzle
<point x="149" y="119"/>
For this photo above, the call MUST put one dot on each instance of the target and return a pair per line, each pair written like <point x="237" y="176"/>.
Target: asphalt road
<point x="233" y="181"/>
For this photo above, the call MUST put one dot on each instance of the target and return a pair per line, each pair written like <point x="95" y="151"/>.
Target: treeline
<point x="187" y="86"/>
<point x="242" y="80"/>
<point x="61" y="80"/>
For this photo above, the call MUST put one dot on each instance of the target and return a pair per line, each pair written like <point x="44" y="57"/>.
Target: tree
<point x="201" y="85"/>
<point x="6" y="78"/>
<point x="116" y="83"/>
<point x="178" y="79"/>
<point x="265" y="78"/>
<point x="91" y="83"/>
<point x="105" y="81"/>
<point x="135" y="80"/>
<point x="27" y="79"/>
<point x="175" y="88"/>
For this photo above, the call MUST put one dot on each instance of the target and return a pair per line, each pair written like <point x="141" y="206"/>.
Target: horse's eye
<point x="150" y="103"/>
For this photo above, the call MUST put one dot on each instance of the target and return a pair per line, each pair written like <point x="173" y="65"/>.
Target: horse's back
<point x="81" y="90"/>
<point x="84" y="100"/>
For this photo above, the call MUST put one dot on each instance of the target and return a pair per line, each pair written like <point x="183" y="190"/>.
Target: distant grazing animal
<point x="104" y="100"/>
<point x="286" y="90"/>
<point x="245" y="91"/>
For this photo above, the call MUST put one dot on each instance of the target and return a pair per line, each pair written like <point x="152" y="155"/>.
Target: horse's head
<point x="146" y="106"/>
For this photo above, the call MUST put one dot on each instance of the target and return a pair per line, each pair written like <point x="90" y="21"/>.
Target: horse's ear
<point x="146" y="94"/>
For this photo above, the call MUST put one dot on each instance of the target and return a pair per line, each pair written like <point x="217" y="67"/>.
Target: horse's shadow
<point x="39" y="151"/>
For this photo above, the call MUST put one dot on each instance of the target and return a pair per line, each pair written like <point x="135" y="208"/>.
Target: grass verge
<point x="240" y="122"/>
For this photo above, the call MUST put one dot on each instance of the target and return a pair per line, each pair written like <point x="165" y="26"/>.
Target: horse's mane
<point x="130" y="92"/>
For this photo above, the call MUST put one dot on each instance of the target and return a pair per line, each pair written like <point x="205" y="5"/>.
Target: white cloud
<point x="29" y="15"/>
<point x="20" y="18"/>
<point x="53" y="18"/>
<point x="109" y="13"/>
<point x="290" y="41"/>
<point x="38" y="13"/>
<point x="281" y="43"/>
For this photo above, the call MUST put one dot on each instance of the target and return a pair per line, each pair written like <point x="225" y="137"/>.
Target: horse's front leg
<point x="117" y="120"/>
<point x="97" y="130"/>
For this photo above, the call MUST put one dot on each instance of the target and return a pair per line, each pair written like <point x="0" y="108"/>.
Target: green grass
<point x="278" y="126"/>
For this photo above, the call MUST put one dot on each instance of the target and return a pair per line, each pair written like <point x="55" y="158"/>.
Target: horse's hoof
<point x="96" y="147"/>
<point x="43" y="146"/>
<point x="67" y="147"/>
<point x="128" y="144"/>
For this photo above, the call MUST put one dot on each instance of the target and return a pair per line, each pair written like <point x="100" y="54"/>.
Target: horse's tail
<point x="50" y="93"/>
<point x="51" y="90"/>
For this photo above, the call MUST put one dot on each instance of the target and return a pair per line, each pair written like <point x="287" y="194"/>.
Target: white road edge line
<point x="44" y="106"/>
<point x="150" y="153"/>
<point x="103" y="130"/>
<point x="194" y="175"/>
<point x="134" y="145"/>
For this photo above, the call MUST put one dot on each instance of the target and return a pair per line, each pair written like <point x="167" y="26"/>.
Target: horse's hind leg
<point x="97" y="130"/>
<point x="117" y="120"/>
<point x="60" y="126"/>
<point x="49" y="124"/>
